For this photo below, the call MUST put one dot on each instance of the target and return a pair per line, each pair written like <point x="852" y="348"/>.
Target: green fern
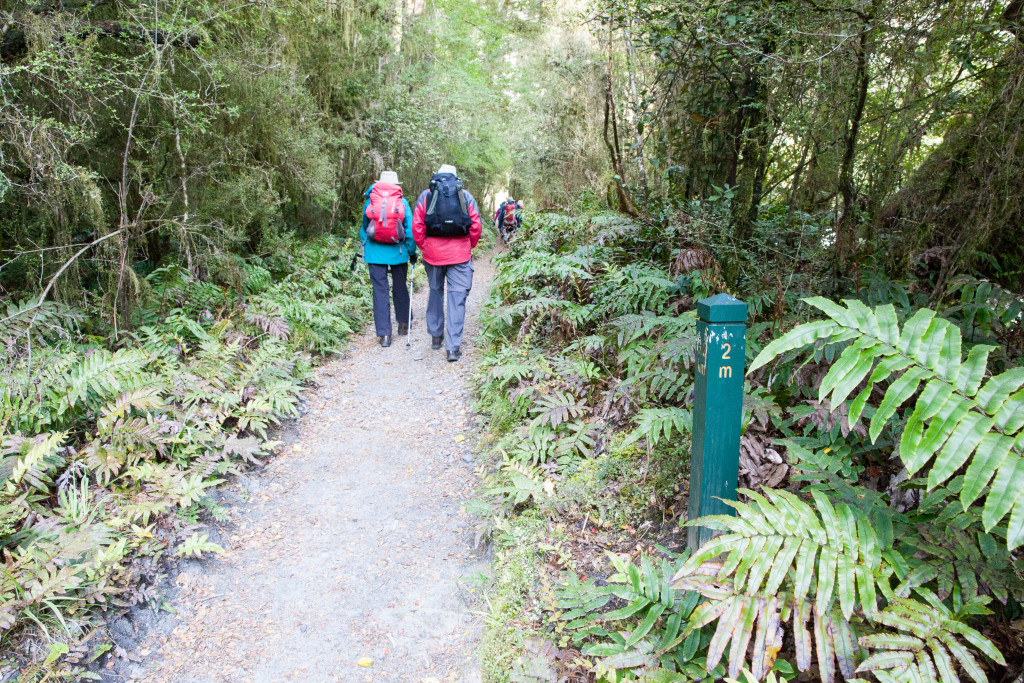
<point x="636" y="288"/>
<point x="959" y="418"/>
<point x="46" y="321"/>
<point x="29" y="460"/>
<point x="924" y="645"/>
<point x="145" y="399"/>
<point x="554" y="409"/>
<point x="524" y="482"/>
<point x="983" y="307"/>
<point x="197" y="544"/>
<point x="536" y="447"/>
<point x="945" y="547"/>
<point x="786" y="560"/>
<point x="104" y="375"/>
<point x="836" y="458"/>
<point x="655" y="424"/>
<point x="649" y="629"/>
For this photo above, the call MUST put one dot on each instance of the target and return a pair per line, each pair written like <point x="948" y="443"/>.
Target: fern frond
<point x="525" y="482"/>
<point x="958" y="418"/>
<point x="836" y="459"/>
<point x="104" y="375"/>
<point x="962" y="563"/>
<point x="926" y="642"/>
<point x="30" y="467"/>
<point x="539" y="447"/>
<point x="275" y="326"/>
<point x="633" y="326"/>
<point x="144" y="399"/>
<point x="655" y="424"/>
<point x="576" y="439"/>
<point x="556" y="408"/>
<point x="829" y="558"/>
<point x="659" y="611"/>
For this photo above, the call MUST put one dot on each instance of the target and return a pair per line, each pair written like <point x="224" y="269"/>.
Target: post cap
<point x="722" y="308"/>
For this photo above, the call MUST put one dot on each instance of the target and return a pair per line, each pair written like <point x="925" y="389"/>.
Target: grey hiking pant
<point x="459" y="278"/>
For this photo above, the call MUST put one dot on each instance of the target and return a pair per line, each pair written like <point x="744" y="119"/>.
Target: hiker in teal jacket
<point x="380" y="258"/>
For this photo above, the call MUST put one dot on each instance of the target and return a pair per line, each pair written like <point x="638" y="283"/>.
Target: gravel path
<point x="353" y="542"/>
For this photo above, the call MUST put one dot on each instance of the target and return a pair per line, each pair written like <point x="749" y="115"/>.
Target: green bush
<point x="895" y="430"/>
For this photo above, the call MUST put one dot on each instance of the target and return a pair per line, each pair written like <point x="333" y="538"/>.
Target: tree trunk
<point x="640" y="163"/>
<point x="614" y="151"/>
<point x="753" y="141"/>
<point x="847" y="225"/>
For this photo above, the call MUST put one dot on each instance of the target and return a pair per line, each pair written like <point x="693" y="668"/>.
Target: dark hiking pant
<point x="400" y="292"/>
<point x="459" y="278"/>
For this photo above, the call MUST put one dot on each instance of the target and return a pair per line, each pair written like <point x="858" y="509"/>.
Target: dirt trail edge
<point x="353" y="543"/>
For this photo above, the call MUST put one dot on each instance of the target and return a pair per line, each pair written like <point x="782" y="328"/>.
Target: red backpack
<point x="509" y="219"/>
<point x="386" y="212"/>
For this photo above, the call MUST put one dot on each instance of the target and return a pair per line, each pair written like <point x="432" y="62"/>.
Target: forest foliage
<point x="880" y="517"/>
<point x="179" y="185"/>
<point x="898" y="124"/>
<point x="179" y="189"/>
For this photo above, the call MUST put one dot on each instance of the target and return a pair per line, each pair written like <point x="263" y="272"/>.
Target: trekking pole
<point x="355" y="257"/>
<point x="412" y="279"/>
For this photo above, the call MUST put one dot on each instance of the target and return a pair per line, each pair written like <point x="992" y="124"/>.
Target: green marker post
<point x="718" y="410"/>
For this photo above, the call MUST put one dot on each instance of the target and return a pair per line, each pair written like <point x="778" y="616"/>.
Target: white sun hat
<point x="447" y="168"/>
<point x="389" y="177"/>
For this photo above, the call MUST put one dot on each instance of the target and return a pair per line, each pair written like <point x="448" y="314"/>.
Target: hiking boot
<point x="435" y="342"/>
<point x="454" y="354"/>
<point x="385" y="341"/>
<point x="403" y="328"/>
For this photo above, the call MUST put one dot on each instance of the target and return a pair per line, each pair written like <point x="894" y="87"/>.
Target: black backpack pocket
<point x="447" y="208"/>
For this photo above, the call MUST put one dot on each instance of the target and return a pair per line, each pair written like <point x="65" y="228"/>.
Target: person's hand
<point x="413" y="258"/>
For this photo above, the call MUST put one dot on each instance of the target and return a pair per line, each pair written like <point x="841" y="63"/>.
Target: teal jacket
<point x="387" y="254"/>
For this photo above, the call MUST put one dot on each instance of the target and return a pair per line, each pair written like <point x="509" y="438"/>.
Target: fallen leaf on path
<point x="460" y="438"/>
<point x="365" y="661"/>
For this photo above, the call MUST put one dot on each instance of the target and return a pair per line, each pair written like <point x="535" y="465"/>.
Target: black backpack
<point x="447" y="208"/>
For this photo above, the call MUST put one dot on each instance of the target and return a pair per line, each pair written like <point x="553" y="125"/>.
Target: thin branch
<point x="53" y="280"/>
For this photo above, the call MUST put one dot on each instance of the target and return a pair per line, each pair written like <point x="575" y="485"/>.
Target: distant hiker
<point x="507" y="219"/>
<point x="388" y="245"/>
<point x="446" y="226"/>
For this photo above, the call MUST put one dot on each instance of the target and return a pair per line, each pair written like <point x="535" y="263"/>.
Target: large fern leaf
<point x="923" y="645"/>
<point x="959" y="417"/>
<point x="821" y="567"/>
<point x="826" y="556"/>
<point x="660" y="423"/>
<point x="104" y="375"/>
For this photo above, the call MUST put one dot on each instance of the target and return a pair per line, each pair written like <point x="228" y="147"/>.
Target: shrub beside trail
<point x="879" y="520"/>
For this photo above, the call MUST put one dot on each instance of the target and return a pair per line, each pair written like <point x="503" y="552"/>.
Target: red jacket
<point x="445" y="251"/>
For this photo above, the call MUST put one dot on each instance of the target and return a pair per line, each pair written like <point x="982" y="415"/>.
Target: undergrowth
<point x="111" y="442"/>
<point x="880" y="515"/>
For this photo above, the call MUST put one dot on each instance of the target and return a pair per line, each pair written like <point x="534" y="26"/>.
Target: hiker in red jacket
<point x="446" y="228"/>
<point x="507" y="219"/>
